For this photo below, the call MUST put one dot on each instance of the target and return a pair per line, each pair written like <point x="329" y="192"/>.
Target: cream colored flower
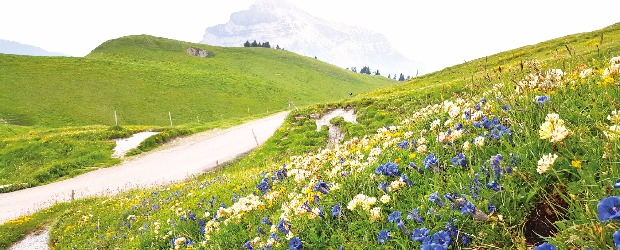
<point x="375" y="213"/>
<point x="613" y="132"/>
<point x="614" y="117"/>
<point x="553" y="128"/>
<point x="435" y="124"/>
<point x="479" y="141"/>
<point x="545" y="162"/>
<point x="385" y="199"/>
<point x="477" y="116"/>
<point x="408" y="134"/>
<point x="466" y="146"/>
<point x="421" y="149"/>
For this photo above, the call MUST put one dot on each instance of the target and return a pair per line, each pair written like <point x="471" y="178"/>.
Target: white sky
<point x="436" y="33"/>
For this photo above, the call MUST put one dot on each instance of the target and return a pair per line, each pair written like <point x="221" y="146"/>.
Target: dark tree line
<point x="366" y="70"/>
<point x="259" y="44"/>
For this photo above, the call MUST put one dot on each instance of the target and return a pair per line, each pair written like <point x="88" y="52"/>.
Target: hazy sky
<point x="435" y="33"/>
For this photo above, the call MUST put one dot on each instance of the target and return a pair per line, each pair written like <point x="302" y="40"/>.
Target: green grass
<point x="55" y="112"/>
<point x="143" y="78"/>
<point x="567" y="194"/>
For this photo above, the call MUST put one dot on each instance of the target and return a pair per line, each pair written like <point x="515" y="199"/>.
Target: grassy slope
<point x="523" y="191"/>
<point x="144" y="77"/>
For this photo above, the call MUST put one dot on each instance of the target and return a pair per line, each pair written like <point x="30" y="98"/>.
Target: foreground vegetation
<point x="522" y="150"/>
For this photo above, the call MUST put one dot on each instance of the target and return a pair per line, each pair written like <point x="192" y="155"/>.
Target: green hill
<point x="56" y="112"/>
<point x="503" y="152"/>
<point x="143" y="78"/>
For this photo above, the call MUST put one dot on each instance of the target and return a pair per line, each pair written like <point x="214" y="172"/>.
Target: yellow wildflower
<point x="575" y="163"/>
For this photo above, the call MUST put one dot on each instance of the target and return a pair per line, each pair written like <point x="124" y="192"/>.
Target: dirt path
<point x="184" y="158"/>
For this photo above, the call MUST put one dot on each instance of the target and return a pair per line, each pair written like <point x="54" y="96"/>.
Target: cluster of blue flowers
<point x="389" y="169"/>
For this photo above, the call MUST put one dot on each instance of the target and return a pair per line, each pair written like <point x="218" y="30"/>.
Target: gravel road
<point x="182" y="159"/>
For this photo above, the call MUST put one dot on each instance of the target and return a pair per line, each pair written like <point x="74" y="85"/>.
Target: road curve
<point x="190" y="156"/>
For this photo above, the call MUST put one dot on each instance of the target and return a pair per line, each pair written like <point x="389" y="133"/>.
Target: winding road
<point x="185" y="158"/>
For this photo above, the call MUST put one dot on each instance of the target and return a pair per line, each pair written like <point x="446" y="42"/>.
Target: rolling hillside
<point x="143" y="78"/>
<point x="518" y="150"/>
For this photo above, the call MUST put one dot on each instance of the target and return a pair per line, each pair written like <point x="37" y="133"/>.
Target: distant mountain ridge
<point x="15" y="48"/>
<point x="281" y="23"/>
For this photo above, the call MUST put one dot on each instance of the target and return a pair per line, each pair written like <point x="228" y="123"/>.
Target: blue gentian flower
<point x="465" y="240"/>
<point x="336" y="210"/>
<point x="506" y="107"/>
<point x="246" y="245"/>
<point x="265" y="220"/>
<point x="321" y="214"/>
<point x="281" y="174"/>
<point x="383" y="186"/>
<point x="609" y="208"/>
<point x="541" y="99"/>
<point x="434" y="198"/>
<point x="419" y="234"/>
<point x="617" y="184"/>
<point x="316" y="199"/>
<point x="201" y="224"/>
<point x="468" y="208"/>
<point x="260" y="230"/>
<point x="459" y="160"/>
<point x="401" y="225"/>
<point x="477" y="107"/>
<point x="394" y="216"/>
<point x="617" y="239"/>
<point x="384" y="236"/>
<point x="414" y="167"/>
<point x="415" y="215"/>
<point x="263" y="186"/>
<point x="450" y="196"/>
<point x="321" y="187"/>
<point x="451" y="229"/>
<point x="545" y="246"/>
<point x="295" y="244"/>
<point x="467" y="115"/>
<point x="483" y="100"/>
<point x="491" y="207"/>
<point x="389" y="169"/>
<point x="430" y="161"/>
<point x="212" y="200"/>
<point x="307" y="206"/>
<point x="494" y="185"/>
<point x="284" y="226"/>
<point x="406" y="180"/>
<point x="441" y="238"/>
<point x="274" y="236"/>
<point x="403" y="144"/>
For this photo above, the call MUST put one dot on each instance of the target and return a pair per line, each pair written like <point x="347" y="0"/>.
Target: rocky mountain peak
<point x="282" y="23"/>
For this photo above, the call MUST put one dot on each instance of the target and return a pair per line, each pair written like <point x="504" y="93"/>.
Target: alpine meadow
<point x="516" y="150"/>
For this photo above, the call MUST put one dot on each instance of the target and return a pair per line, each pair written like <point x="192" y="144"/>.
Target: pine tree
<point x="377" y="73"/>
<point x="254" y="44"/>
<point x="247" y="44"/>
<point x="402" y="77"/>
<point x="389" y="76"/>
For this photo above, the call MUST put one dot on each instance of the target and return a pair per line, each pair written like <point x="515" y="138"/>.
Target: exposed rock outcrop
<point x="197" y="52"/>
